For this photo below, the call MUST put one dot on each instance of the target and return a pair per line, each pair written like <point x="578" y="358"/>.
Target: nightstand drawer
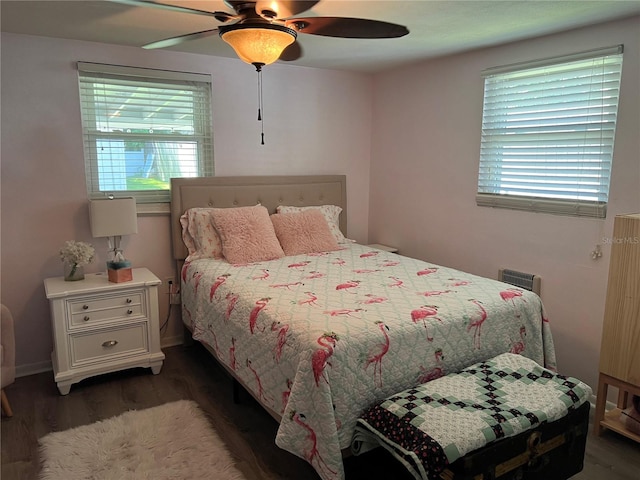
<point x="93" y="310"/>
<point x="97" y="346"/>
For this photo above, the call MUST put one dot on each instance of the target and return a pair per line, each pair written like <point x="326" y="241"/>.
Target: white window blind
<point x="548" y="131"/>
<point x="142" y="127"/>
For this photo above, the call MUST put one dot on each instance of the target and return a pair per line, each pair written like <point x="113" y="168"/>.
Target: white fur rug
<point x="172" y="441"/>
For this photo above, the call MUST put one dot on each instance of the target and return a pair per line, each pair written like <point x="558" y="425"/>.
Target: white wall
<point x="426" y="144"/>
<point x="422" y="149"/>
<point x="316" y="122"/>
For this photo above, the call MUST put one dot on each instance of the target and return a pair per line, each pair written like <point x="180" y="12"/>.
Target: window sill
<point x="574" y="208"/>
<point x="153" y="209"/>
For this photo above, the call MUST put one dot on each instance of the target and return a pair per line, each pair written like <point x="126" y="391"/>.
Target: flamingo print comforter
<point x="319" y="338"/>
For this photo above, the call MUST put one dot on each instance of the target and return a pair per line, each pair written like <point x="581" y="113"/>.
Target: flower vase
<point x="73" y="272"/>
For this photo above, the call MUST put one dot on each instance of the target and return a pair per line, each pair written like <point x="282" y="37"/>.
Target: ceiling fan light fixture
<point x="258" y="44"/>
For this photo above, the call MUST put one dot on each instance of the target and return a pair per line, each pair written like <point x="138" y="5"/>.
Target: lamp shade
<point x="113" y="217"/>
<point x="258" y="44"/>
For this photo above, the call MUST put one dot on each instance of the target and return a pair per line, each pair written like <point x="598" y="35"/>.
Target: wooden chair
<point x="7" y="356"/>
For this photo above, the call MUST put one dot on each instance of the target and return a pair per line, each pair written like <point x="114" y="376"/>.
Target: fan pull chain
<point x="260" y="105"/>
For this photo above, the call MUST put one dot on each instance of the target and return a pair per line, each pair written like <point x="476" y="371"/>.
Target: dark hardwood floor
<point x="247" y="430"/>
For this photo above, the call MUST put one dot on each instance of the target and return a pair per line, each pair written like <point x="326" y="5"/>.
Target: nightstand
<point x="101" y="327"/>
<point x="386" y="248"/>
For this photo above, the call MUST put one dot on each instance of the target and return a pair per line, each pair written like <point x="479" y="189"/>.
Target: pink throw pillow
<point x="247" y="234"/>
<point x="331" y="214"/>
<point x="303" y="232"/>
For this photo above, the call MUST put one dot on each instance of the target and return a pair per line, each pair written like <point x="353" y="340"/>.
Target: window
<point x="548" y="130"/>
<point x="141" y="127"/>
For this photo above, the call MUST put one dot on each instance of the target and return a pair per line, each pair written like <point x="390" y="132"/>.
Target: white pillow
<point x="331" y="214"/>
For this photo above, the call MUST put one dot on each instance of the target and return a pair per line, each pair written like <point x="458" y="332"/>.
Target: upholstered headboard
<point x="270" y="191"/>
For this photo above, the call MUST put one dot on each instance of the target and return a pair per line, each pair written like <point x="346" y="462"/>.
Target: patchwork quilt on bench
<point x="431" y="425"/>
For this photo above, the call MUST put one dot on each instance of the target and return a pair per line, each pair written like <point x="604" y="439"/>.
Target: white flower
<point x="79" y="253"/>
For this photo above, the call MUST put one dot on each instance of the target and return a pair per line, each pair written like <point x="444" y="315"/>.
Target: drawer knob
<point x="110" y="343"/>
<point x="129" y="312"/>
<point x="85" y="307"/>
<point x="129" y="300"/>
<point x="87" y="318"/>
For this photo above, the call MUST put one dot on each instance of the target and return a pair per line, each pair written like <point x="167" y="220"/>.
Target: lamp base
<point x="120" y="275"/>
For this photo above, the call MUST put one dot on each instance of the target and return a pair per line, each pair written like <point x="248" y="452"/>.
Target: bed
<point x="317" y="338"/>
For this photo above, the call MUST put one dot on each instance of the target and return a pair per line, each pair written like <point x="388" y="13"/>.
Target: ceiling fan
<point x="264" y="31"/>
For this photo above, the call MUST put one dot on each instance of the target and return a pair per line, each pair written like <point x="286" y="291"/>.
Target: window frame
<point x="495" y="140"/>
<point x="148" y="200"/>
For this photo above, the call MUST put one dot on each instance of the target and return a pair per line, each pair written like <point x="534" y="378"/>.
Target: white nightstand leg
<point x="64" y="387"/>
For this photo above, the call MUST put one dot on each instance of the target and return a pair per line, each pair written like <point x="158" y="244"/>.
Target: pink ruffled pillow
<point x="247" y="234"/>
<point x="303" y="232"/>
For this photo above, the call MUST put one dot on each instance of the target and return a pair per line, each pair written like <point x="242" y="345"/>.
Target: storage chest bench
<point x="506" y="418"/>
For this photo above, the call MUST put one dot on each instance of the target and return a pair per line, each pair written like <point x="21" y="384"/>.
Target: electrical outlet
<point x="174" y="291"/>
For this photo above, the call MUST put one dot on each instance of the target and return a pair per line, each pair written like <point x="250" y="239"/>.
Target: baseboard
<point x="33" y="368"/>
<point x="172" y="341"/>
<point x="607" y="406"/>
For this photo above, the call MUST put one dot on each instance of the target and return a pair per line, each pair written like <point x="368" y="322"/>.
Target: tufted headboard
<point x="270" y="191"/>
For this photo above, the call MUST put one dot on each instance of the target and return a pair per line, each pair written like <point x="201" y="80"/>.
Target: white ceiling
<point x="436" y="27"/>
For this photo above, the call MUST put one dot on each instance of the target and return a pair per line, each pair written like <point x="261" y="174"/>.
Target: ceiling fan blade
<point x="170" y="42"/>
<point x="283" y="8"/>
<point x="220" y="16"/>
<point x="292" y="52"/>
<point x="347" y="27"/>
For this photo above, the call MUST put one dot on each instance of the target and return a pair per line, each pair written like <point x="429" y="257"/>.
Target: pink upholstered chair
<point x="7" y="356"/>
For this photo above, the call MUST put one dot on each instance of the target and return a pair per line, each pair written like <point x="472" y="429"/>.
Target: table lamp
<point x="112" y="218"/>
